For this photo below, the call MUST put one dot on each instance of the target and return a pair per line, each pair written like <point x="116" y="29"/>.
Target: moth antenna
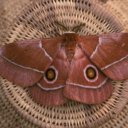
<point x="57" y="32"/>
<point x="78" y="27"/>
<point x="61" y="26"/>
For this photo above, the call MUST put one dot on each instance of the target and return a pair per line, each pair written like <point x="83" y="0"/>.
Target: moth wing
<point x="109" y="52"/>
<point x="48" y="92"/>
<point x="24" y="62"/>
<point x="83" y="88"/>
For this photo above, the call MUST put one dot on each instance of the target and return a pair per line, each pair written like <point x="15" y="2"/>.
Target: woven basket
<point x="35" y="19"/>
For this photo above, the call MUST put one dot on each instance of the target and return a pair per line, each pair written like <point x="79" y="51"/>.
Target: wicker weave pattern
<point x="120" y="10"/>
<point x="36" y="21"/>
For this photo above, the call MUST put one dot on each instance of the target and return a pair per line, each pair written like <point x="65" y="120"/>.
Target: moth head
<point x="90" y="73"/>
<point x="50" y="75"/>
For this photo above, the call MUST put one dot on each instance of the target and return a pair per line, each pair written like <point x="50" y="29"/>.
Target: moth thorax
<point x="69" y="42"/>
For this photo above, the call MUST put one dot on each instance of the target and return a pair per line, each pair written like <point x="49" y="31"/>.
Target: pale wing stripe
<point x="50" y="89"/>
<point x="87" y="86"/>
<point x="33" y="69"/>
<point x="94" y="52"/>
<point x="115" y="62"/>
<point x="46" y="54"/>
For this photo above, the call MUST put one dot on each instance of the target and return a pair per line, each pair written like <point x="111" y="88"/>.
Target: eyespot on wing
<point x="81" y="88"/>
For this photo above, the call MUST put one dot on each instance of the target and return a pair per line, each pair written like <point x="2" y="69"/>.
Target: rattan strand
<point x="36" y="21"/>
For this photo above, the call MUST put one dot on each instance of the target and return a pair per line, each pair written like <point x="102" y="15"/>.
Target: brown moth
<point x="69" y="66"/>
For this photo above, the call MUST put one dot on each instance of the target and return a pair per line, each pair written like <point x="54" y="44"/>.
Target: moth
<point x="67" y="67"/>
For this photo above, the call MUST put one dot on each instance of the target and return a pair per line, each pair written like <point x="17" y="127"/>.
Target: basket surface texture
<point x="29" y="19"/>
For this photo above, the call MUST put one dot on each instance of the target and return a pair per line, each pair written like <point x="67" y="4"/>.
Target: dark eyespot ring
<point x="50" y="75"/>
<point x="91" y="73"/>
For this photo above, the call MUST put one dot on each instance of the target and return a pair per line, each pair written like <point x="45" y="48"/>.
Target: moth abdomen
<point x="70" y="55"/>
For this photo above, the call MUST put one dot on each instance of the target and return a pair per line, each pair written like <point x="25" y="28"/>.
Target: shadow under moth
<point x="69" y="66"/>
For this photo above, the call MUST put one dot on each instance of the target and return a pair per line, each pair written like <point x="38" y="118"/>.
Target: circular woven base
<point x="36" y="21"/>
